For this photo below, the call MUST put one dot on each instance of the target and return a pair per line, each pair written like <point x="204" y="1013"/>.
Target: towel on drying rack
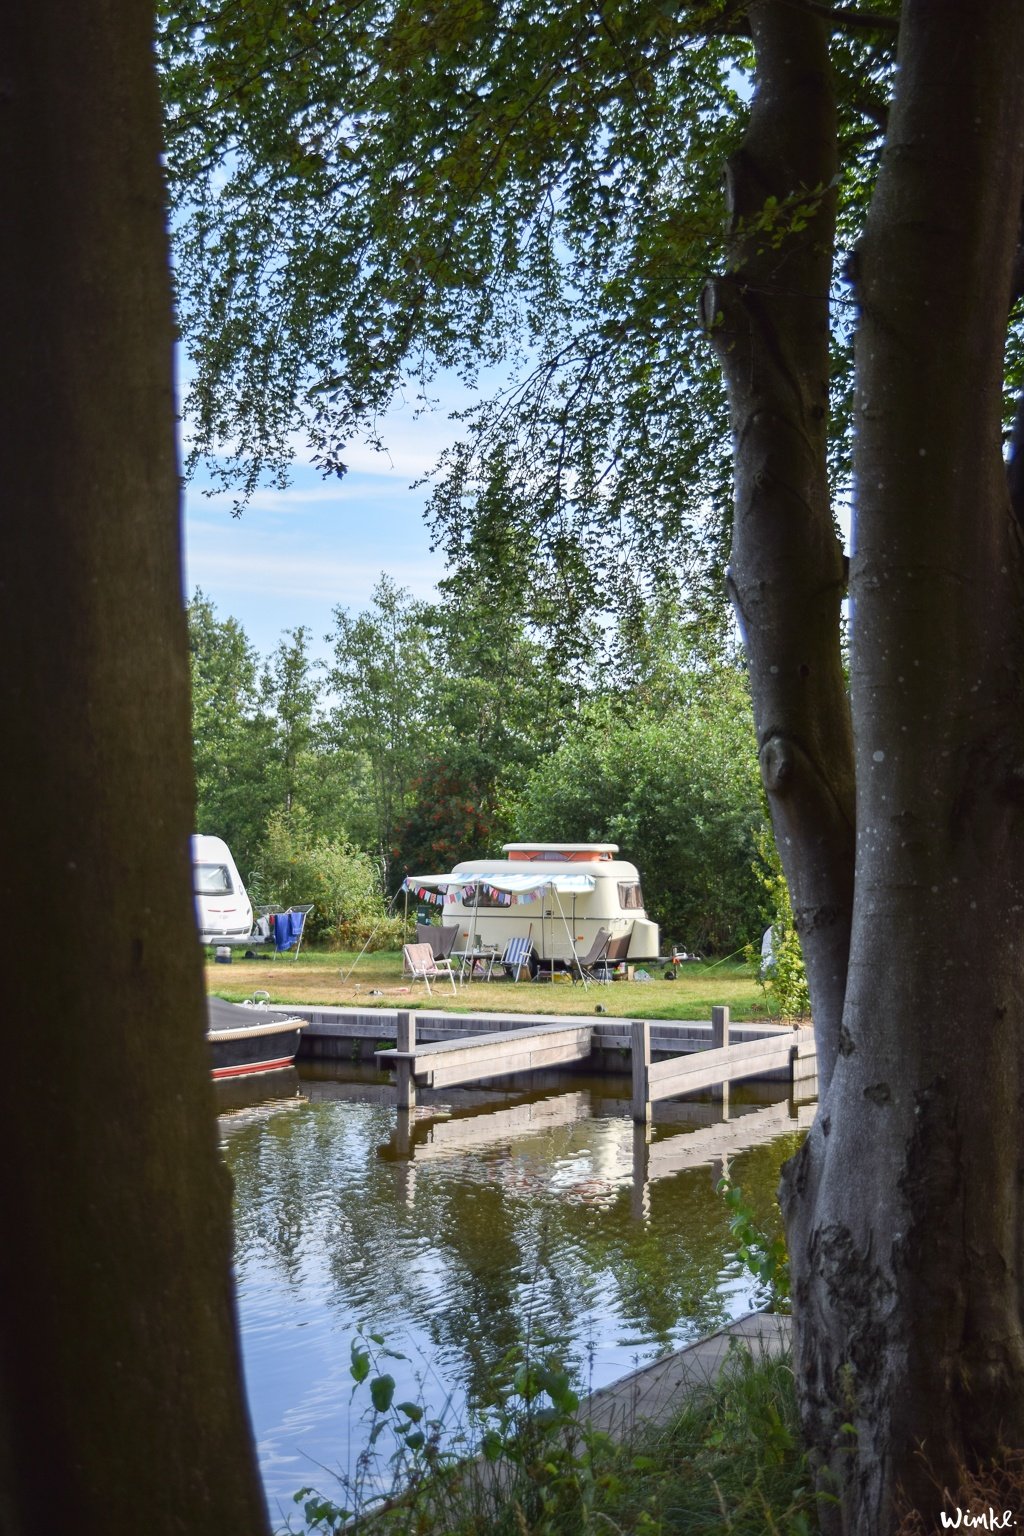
<point x="287" y="929"/>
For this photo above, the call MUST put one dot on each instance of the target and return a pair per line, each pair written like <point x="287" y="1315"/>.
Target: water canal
<point x="490" y="1213"/>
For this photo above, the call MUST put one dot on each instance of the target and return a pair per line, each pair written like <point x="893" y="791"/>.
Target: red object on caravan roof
<point x="560" y="853"/>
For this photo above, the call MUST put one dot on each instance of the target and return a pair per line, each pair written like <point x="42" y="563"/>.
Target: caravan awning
<point x="536" y="883"/>
<point x="525" y="886"/>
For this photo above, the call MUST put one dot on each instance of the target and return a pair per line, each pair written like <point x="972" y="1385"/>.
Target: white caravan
<point x="223" y="910"/>
<point x="557" y="894"/>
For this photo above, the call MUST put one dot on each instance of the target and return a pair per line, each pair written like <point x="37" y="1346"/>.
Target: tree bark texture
<point x="904" y="1206"/>
<point x="121" y="1408"/>
<point x="768" y="318"/>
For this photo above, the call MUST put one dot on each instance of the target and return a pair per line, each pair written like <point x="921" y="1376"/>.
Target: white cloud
<point x="294" y="499"/>
<point x="262" y="568"/>
<point x="295" y="554"/>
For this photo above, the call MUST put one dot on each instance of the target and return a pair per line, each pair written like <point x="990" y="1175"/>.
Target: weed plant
<point x="730" y="1461"/>
<point x="760" y="1249"/>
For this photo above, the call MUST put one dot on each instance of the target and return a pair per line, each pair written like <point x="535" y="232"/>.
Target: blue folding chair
<point x="517" y="957"/>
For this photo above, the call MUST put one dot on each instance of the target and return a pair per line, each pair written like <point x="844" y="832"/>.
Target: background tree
<point x="300" y="863"/>
<point x="121" y="1402"/>
<point x="315" y="785"/>
<point x="679" y="790"/>
<point x="499" y="699"/>
<point x="447" y="819"/>
<point x="231" y="732"/>
<point x="290" y="685"/>
<point x="381" y="678"/>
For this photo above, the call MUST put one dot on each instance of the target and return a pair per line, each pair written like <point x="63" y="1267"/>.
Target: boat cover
<point x="223" y="1015"/>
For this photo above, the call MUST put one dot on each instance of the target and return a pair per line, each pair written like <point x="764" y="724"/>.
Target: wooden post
<point x="640" y="1194"/>
<point x="640" y="1038"/>
<point x="719" y="1039"/>
<point x="404" y="1149"/>
<point x="403" y="1134"/>
<point x="804" y="1069"/>
<point x="405" y="1041"/>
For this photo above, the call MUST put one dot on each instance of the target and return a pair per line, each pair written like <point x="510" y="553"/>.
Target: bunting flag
<point x="422" y="894"/>
<point x="506" y="898"/>
<point x="505" y="890"/>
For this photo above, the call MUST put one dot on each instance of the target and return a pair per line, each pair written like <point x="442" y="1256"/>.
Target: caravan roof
<point x="560" y="853"/>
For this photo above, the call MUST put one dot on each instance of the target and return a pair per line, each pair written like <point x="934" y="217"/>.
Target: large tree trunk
<point x="121" y="1408"/>
<point x="904" y="1207"/>
<point x="769" y="321"/>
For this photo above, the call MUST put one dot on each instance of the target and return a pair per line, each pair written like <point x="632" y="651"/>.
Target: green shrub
<point x="344" y="884"/>
<point x="679" y="792"/>
<point x="783" y="978"/>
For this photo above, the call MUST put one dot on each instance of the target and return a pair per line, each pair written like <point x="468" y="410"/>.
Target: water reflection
<point x="455" y="1228"/>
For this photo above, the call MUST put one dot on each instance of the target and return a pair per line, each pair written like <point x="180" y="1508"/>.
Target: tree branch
<point x="846" y="16"/>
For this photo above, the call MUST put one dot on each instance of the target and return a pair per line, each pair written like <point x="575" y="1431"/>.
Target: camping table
<point x="469" y="958"/>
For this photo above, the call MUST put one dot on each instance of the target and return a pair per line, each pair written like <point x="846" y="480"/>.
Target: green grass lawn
<point x="376" y="981"/>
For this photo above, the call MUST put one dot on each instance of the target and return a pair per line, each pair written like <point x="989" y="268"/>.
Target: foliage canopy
<point x="529" y="194"/>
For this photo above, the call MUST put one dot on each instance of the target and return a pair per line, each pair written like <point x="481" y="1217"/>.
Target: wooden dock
<point x="467" y="1058"/>
<point x="721" y="1064"/>
<point x="475" y="1058"/>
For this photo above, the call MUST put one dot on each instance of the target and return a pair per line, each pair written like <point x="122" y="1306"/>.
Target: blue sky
<point x="295" y="555"/>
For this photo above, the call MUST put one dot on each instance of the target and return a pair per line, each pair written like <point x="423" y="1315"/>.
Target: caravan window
<point x="212" y="880"/>
<point x="631" y="897"/>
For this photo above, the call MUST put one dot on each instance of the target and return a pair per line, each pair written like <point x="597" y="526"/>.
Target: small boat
<point x="250" y="1037"/>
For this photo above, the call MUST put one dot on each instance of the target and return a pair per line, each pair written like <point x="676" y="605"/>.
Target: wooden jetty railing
<point x="723" y="1063"/>
<point x="475" y="1058"/>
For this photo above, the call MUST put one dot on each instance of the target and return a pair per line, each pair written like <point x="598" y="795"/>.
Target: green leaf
<point x="491" y="1445"/>
<point x="360" y="1367"/>
<point x="382" y="1391"/>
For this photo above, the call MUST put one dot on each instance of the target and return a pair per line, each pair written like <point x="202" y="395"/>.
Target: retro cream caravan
<point x="559" y="895"/>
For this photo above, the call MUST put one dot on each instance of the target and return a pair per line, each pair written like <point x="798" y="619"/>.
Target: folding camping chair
<point x="517" y="956"/>
<point x="615" y="956"/>
<point x="440" y="937"/>
<point x="592" y="966"/>
<point x="421" y="965"/>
